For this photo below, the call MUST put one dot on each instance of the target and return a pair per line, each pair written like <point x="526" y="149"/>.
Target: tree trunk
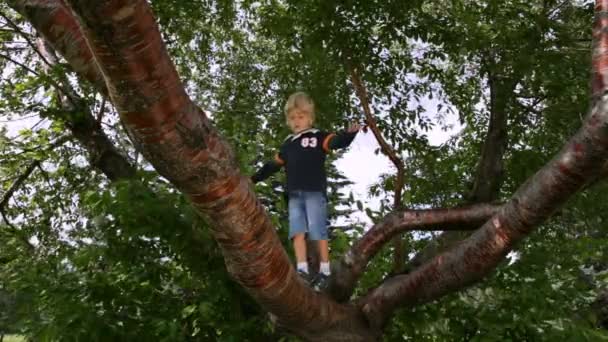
<point x="489" y="171"/>
<point x="179" y="140"/>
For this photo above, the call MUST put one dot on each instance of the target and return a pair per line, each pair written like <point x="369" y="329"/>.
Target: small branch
<point x="46" y="17"/>
<point x="22" y="34"/>
<point x="384" y="146"/>
<point x="18" y="182"/>
<point x="101" y="110"/>
<point x="28" y="69"/>
<point x="9" y="194"/>
<point x="87" y="130"/>
<point x="36" y="164"/>
<point x="69" y="94"/>
<point x="531" y="108"/>
<point x="17" y="232"/>
<point x="398" y="255"/>
<point x="28" y="171"/>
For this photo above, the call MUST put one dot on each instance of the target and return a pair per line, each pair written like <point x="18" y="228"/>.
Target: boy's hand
<point x="353" y="127"/>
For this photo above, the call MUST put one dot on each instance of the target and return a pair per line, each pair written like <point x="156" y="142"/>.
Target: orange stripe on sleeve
<point x="279" y="160"/>
<point x="326" y="142"/>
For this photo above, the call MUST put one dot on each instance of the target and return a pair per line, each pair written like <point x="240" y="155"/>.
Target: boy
<point x="303" y="156"/>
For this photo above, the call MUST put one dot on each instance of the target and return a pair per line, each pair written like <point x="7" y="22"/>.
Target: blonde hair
<point x="301" y="101"/>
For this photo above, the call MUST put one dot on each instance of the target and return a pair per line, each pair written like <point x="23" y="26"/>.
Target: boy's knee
<point x="299" y="237"/>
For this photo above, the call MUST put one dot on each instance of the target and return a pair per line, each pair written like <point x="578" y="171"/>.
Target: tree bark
<point x="387" y="150"/>
<point x="353" y="264"/>
<point x="55" y="22"/>
<point x="582" y="158"/>
<point x="491" y="166"/>
<point x="178" y="139"/>
<point x="87" y="130"/>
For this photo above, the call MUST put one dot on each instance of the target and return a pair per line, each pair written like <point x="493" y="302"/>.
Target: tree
<point x="118" y="48"/>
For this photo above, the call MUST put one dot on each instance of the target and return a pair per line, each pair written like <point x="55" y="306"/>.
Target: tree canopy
<point x="128" y="214"/>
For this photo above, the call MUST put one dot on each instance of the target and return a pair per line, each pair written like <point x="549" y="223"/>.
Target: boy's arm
<point x="341" y="139"/>
<point x="268" y="169"/>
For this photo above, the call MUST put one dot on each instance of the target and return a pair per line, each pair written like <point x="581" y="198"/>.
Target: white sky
<point x="363" y="167"/>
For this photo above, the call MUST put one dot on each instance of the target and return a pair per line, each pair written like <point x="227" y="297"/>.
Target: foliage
<point x="106" y="262"/>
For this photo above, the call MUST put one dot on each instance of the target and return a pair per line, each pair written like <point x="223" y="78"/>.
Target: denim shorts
<point x="308" y="214"/>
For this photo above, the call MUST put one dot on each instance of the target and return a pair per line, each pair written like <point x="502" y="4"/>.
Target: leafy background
<point x="84" y="258"/>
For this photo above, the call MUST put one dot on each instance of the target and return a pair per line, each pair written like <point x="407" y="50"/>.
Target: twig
<point x="398" y="256"/>
<point x="384" y="146"/>
<point x="101" y="110"/>
<point x="53" y="83"/>
<point x="22" y="34"/>
<point x="18" y="182"/>
<point x="17" y="232"/>
<point x="20" y="64"/>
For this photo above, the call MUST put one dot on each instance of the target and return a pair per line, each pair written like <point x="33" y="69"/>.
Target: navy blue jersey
<point x="303" y="156"/>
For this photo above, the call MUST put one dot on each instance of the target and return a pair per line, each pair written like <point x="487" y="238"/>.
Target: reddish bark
<point x="581" y="159"/>
<point x="178" y="139"/>
<point x="599" y="78"/>
<point x="180" y="142"/>
<point x="54" y="21"/>
<point x="353" y="264"/>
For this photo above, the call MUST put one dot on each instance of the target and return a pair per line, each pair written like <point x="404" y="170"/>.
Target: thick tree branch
<point x="582" y="158"/>
<point x="355" y="260"/>
<point x="54" y="21"/>
<point x="84" y="126"/>
<point x="178" y="139"/>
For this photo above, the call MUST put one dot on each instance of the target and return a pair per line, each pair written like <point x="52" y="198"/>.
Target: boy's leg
<point x="316" y="214"/>
<point x="324" y="250"/>
<point x="297" y="229"/>
<point x="299" y="247"/>
<point x="324" y="256"/>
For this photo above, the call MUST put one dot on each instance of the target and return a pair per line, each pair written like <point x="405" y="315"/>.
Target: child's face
<point x="299" y="120"/>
